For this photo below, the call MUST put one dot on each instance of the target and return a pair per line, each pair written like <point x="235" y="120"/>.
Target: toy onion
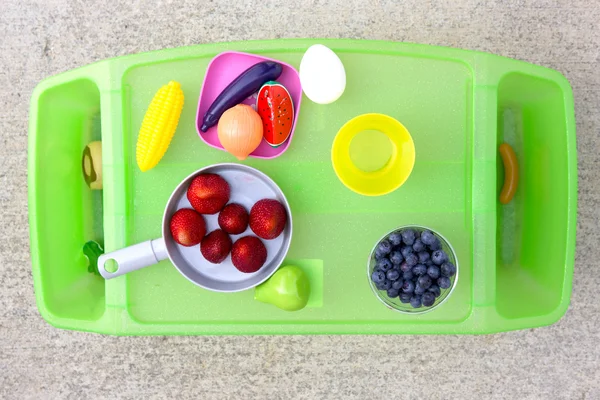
<point x="240" y="130"/>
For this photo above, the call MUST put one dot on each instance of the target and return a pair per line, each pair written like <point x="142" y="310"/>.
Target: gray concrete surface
<point x="41" y="38"/>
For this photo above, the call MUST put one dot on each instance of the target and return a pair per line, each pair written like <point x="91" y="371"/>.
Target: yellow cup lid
<point x="391" y="176"/>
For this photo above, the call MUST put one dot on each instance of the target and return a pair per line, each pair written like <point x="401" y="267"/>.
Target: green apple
<point x="287" y="289"/>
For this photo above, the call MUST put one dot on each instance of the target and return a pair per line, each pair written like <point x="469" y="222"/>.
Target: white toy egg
<point x="322" y="74"/>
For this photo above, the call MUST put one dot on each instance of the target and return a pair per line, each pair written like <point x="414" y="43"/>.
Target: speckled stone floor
<point x="41" y="38"/>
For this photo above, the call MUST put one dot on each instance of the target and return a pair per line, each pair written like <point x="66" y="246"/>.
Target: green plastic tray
<point x="516" y="261"/>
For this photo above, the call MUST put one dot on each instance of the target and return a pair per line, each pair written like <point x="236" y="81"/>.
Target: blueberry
<point x="406" y="250"/>
<point x="392" y="274"/>
<point x="379" y="286"/>
<point x="424" y="256"/>
<point x="386" y="284"/>
<point x="392" y="293"/>
<point x="433" y="271"/>
<point x="448" y="269"/>
<point x="407" y="276"/>
<point x="435" y="289"/>
<point x="444" y="282"/>
<point x="397" y="284"/>
<point x="404" y="267"/>
<point x="424" y="281"/>
<point x="429" y="263"/>
<point x="405" y="297"/>
<point x="419" y="289"/>
<point x="428" y="299"/>
<point x="419" y="270"/>
<point x="383" y="264"/>
<point x="378" y="276"/>
<point x="415" y="301"/>
<point x="396" y="257"/>
<point x="408" y="286"/>
<point x="395" y="238"/>
<point x="439" y="257"/>
<point x="418" y="246"/>
<point x="436" y="245"/>
<point x="427" y="237"/>
<point x="412" y="259"/>
<point x="379" y="256"/>
<point x="409" y="236"/>
<point x="384" y="247"/>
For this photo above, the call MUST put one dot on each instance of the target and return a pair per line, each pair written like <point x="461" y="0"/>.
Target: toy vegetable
<point x="159" y="125"/>
<point x="288" y="289"/>
<point x="243" y="86"/>
<point x="240" y="130"/>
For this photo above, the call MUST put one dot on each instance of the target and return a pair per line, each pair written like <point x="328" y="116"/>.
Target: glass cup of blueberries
<point x="412" y="269"/>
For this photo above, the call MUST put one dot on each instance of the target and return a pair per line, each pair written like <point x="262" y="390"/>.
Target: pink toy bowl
<point x="221" y="71"/>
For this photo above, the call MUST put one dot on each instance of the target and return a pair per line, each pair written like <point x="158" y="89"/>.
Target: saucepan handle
<point x="132" y="258"/>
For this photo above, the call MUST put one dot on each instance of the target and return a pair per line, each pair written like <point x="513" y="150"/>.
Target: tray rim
<point x="101" y="73"/>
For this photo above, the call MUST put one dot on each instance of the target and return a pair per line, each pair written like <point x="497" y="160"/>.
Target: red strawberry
<point x="233" y="219"/>
<point x="268" y="218"/>
<point x="187" y="227"/>
<point x="208" y="193"/>
<point x="248" y="254"/>
<point x="215" y="246"/>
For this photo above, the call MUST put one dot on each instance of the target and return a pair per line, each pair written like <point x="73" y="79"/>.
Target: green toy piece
<point x="92" y="251"/>
<point x="288" y="289"/>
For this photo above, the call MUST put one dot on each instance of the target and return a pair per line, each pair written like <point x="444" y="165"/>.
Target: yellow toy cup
<point x="386" y="179"/>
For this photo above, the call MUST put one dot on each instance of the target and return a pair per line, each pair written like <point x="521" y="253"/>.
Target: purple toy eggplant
<point x="237" y="91"/>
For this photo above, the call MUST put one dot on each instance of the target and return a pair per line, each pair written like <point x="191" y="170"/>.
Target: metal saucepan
<point x="248" y="185"/>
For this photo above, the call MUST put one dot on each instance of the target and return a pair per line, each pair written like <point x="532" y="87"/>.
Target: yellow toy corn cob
<point x="159" y="125"/>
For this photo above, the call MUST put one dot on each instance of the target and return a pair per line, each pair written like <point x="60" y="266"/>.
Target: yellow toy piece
<point x="159" y="125"/>
<point x="395" y="172"/>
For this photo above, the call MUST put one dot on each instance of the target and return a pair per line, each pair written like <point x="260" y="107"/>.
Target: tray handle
<point x="132" y="258"/>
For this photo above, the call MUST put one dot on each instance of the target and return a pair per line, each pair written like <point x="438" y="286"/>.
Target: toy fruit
<point x="187" y="227"/>
<point x="276" y="110"/>
<point x="411" y="265"/>
<point x="248" y="254"/>
<point x="267" y="218"/>
<point x="511" y="173"/>
<point x="215" y="246"/>
<point x="233" y="219"/>
<point x="158" y="126"/>
<point x="247" y="83"/>
<point x="322" y="75"/>
<point x="240" y="131"/>
<point x="91" y="164"/>
<point x="208" y="193"/>
<point x="288" y="289"/>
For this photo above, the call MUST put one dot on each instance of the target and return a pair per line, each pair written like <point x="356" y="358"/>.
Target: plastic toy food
<point x="91" y="164"/>
<point x="248" y="254"/>
<point x="240" y="131"/>
<point x="215" y="246"/>
<point x="187" y="227"/>
<point x="322" y="75"/>
<point x="511" y="173"/>
<point x="158" y="126"/>
<point x="92" y="251"/>
<point x="411" y="265"/>
<point x="208" y="193"/>
<point x="267" y="218"/>
<point x="288" y="289"/>
<point x="247" y="83"/>
<point x="233" y="219"/>
<point x="276" y="110"/>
